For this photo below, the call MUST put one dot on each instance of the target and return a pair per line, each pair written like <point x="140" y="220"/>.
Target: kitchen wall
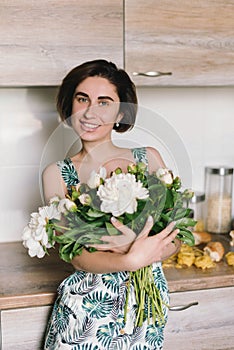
<point x="200" y="121"/>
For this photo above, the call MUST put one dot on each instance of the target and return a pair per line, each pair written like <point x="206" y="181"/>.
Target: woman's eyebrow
<point x="105" y="98"/>
<point x="81" y="93"/>
<point x="99" y="97"/>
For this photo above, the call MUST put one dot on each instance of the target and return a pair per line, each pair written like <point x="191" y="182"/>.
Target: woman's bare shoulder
<point x="155" y="160"/>
<point x="50" y="168"/>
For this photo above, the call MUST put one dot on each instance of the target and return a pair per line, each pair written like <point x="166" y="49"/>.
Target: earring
<point x="117" y="124"/>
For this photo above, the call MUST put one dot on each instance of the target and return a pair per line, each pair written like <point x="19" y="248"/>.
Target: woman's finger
<point x="170" y="238"/>
<point x="125" y="230"/>
<point x="167" y="230"/>
<point x="146" y="229"/>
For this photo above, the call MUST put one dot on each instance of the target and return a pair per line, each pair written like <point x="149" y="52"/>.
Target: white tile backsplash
<point x="31" y="138"/>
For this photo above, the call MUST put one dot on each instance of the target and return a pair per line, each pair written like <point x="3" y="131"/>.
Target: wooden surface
<point x="40" y="41"/>
<point x="193" y="278"/>
<point x="192" y="39"/>
<point x="26" y="281"/>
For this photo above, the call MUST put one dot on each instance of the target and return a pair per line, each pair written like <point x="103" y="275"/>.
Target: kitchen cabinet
<point x="192" y="41"/>
<point x="40" y="41"/>
<point x="30" y="290"/>
<point x="207" y="326"/>
<point x="24" y="328"/>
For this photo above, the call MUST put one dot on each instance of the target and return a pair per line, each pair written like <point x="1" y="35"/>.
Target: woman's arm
<point x="52" y="182"/>
<point x="143" y="252"/>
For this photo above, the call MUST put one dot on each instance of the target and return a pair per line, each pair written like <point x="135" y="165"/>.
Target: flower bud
<point x="188" y="194"/>
<point x="177" y="183"/>
<point x="141" y="167"/>
<point x="66" y="204"/>
<point x="132" y="168"/>
<point x="118" y="171"/>
<point x="54" y="200"/>
<point x="75" y="195"/>
<point x="85" y="199"/>
<point x="96" y="179"/>
<point x="165" y="175"/>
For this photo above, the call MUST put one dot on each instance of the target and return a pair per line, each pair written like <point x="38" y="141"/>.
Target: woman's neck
<point x="98" y="152"/>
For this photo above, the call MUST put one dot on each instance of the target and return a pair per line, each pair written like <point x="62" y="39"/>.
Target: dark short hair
<point x="126" y="90"/>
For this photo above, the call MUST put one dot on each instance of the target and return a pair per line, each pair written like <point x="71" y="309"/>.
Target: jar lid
<point x="222" y="170"/>
<point x="198" y="197"/>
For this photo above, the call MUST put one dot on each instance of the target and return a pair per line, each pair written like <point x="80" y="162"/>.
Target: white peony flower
<point x="95" y="178"/>
<point x="165" y="175"/>
<point x="66" y="204"/>
<point x="34" y="248"/>
<point x="34" y="236"/>
<point x="119" y="194"/>
<point x="27" y="233"/>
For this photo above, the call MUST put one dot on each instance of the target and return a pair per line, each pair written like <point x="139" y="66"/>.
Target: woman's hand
<point x="152" y="249"/>
<point x="147" y="250"/>
<point x="117" y="243"/>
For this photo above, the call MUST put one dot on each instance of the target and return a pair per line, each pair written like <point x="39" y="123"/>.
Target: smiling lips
<point x="88" y="126"/>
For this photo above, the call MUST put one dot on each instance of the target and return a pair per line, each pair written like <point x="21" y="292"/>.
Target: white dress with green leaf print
<point x="89" y="311"/>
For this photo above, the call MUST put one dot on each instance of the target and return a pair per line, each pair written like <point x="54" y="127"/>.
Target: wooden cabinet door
<point x="24" y="329"/>
<point x="40" y="41"/>
<point x="192" y="40"/>
<point x="206" y="326"/>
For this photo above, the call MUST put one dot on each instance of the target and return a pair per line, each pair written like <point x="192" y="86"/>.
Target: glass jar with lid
<point x="218" y="192"/>
<point x="197" y="203"/>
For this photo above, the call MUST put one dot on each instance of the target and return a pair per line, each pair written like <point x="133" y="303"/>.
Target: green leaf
<point x="186" y="236"/>
<point x="95" y="213"/>
<point x="179" y="213"/>
<point x="169" y="202"/>
<point x="185" y="222"/>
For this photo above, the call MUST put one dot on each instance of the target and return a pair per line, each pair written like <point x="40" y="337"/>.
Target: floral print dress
<point x="89" y="311"/>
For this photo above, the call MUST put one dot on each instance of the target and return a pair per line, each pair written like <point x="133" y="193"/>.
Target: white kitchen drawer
<point x="206" y="326"/>
<point x="23" y="329"/>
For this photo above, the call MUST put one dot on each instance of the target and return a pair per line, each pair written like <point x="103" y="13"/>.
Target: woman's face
<point x="95" y="109"/>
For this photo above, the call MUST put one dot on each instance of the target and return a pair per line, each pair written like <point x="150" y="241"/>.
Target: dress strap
<point x="68" y="172"/>
<point x="140" y="155"/>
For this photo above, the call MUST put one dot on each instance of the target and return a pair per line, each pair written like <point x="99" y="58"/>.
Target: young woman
<point x="96" y="98"/>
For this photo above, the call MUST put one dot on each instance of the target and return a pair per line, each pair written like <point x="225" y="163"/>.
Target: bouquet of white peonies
<point x="83" y="217"/>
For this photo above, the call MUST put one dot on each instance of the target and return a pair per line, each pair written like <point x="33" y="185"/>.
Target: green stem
<point x="127" y="297"/>
<point x="60" y="227"/>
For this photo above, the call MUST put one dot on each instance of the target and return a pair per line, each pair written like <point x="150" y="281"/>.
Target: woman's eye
<point x="103" y="103"/>
<point x="82" y="99"/>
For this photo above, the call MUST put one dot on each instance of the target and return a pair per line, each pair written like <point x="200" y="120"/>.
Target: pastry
<point x="230" y="258"/>
<point x="201" y="237"/>
<point x="204" y="262"/>
<point x="215" y="250"/>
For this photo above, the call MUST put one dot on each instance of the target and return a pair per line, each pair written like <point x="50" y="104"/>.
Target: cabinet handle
<point x="182" y="307"/>
<point x="152" y="74"/>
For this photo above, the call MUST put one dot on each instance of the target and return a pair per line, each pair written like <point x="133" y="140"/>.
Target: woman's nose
<point x="91" y="111"/>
